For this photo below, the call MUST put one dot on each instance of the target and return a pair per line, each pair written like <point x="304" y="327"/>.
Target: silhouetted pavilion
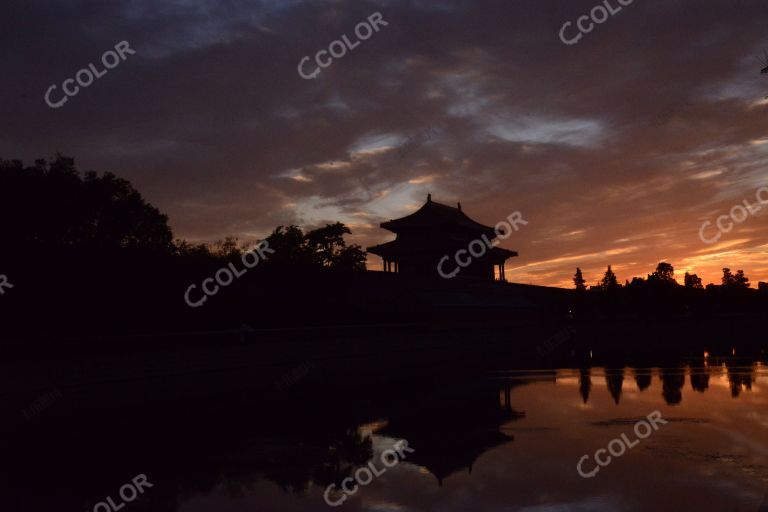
<point x="434" y="231"/>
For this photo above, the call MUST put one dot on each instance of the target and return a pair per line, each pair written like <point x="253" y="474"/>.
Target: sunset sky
<point x="615" y="149"/>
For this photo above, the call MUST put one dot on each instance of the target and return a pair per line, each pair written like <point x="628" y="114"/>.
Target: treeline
<point x="51" y="207"/>
<point x="663" y="276"/>
<point x="660" y="295"/>
<point x="87" y="255"/>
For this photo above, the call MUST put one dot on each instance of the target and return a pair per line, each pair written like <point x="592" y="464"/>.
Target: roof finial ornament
<point x="429" y="198"/>
<point x="459" y="206"/>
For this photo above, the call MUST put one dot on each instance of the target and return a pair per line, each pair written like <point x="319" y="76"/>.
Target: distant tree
<point x="740" y="280"/>
<point x="664" y="275"/>
<point x="326" y="242"/>
<point x="322" y="247"/>
<point x="227" y="248"/>
<point x="609" y="281"/>
<point x="192" y="250"/>
<point x="578" y="280"/>
<point x="288" y="244"/>
<point x="327" y="246"/>
<point x="51" y="206"/>
<point x="637" y="282"/>
<point x="351" y="257"/>
<point x="693" y="281"/>
<point x="737" y="280"/>
<point x="727" y="277"/>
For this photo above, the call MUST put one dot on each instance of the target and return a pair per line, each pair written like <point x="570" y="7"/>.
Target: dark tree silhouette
<point x="289" y="246"/>
<point x="53" y="207"/>
<point x="327" y="246"/>
<point x="664" y="275"/>
<point x="322" y="247"/>
<point x="609" y="281"/>
<point x="692" y="281"/>
<point x="578" y="280"/>
<point x="742" y="281"/>
<point x="727" y="277"/>
<point x="737" y="280"/>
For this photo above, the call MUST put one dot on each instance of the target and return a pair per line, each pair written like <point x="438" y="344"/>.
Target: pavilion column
<point x="385" y="264"/>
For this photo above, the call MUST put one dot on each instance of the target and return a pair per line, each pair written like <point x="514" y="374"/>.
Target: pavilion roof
<point x="433" y="215"/>
<point x="399" y="248"/>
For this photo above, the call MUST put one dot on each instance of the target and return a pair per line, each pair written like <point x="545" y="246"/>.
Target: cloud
<point x="646" y="127"/>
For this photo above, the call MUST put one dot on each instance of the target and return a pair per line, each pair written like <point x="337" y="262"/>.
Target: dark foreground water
<point x="491" y="440"/>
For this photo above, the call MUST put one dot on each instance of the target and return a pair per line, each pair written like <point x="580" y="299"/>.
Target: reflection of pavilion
<point x="449" y="435"/>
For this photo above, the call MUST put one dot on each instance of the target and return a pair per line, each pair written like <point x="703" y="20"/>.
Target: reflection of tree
<point x="672" y="381"/>
<point x="585" y="383"/>
<point x="740" y="379"/>
<point x="700" y="379"/>
<point x="614" y="378"/>
<point x="642" y="378"/>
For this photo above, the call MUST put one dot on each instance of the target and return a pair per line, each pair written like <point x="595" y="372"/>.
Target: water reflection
<point x="614" y="378"/>
<point x="643" y="378"/>
<point x="495" y="439"/>
<point x="469" y="425"/>
<point x="700" y="379"/>
<point x="585" y="383"/>
<point x="673" y="380"/>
